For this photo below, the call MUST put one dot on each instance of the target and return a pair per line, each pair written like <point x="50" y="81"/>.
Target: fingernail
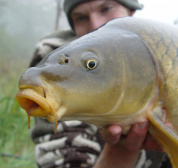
<point x="115" y="133"/>
<point x="142" y="125"/>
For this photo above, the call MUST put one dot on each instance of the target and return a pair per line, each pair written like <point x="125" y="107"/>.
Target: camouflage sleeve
<point x="50" y="43"/>
<point x="76" y="144"/>
<point x="153" y="159"/>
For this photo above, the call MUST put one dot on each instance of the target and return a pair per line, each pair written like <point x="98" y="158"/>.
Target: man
<point x="86" y="17"/>
<point x="78" y="144"/>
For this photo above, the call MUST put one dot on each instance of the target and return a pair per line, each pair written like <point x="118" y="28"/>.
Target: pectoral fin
<point x="166" y="137"/>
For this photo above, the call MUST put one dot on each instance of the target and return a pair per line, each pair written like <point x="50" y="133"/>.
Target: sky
<point x="161" y="10"/>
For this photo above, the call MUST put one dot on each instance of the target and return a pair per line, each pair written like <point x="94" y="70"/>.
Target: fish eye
<point x="89" y="60"/>
<point x="92" y="64"/>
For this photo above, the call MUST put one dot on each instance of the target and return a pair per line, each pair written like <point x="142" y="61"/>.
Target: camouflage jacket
<point x="76" y="144"/>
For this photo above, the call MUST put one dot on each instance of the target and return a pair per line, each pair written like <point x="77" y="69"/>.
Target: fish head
<point x="71" y="78"/>
<point x="86" y="79"/>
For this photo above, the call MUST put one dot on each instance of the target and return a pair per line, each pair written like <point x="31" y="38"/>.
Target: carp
<point x="122" y="73"/>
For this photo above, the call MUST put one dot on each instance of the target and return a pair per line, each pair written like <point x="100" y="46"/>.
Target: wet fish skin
<point x="135" y="77"/>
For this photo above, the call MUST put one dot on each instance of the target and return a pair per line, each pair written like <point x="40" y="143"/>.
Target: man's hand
<point x="123" y="151"/>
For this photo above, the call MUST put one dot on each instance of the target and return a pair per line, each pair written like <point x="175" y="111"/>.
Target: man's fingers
<point x="136" y="136"/>
<point x="112" y="134"/>
<point x="150" y="143"/>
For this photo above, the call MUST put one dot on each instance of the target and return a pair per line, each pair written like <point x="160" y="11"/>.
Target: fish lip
<point x="33" y="103"/>
<point x="39" y="106"/>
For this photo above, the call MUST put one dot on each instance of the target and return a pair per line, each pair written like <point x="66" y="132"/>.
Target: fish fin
<point x="166" y="137"/>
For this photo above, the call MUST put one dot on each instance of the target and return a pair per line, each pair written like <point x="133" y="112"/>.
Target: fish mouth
<point x="37" y="104"/>
<point x="34" y="103"/>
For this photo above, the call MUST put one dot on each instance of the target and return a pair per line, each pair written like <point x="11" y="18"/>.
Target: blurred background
<point x="22" y="24"/>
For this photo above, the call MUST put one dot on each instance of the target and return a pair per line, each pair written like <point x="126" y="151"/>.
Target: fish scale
<point x="135" y="77"/>
<point x="166" y="57"/>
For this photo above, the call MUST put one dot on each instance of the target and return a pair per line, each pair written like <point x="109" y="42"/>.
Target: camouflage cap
<point x="69" y="5"/>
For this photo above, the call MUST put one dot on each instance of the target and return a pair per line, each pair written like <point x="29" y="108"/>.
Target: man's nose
<point x="96" y="21"/>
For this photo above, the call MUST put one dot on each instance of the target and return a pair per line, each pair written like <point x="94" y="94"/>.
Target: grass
<point x="16" y="147"/>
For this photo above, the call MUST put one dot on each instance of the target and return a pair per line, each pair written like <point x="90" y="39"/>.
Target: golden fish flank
<point x="122" y="73"/>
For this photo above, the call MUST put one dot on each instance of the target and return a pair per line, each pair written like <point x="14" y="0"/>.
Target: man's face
<point x="89" y="16"/>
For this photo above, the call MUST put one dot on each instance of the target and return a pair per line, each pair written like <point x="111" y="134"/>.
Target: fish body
<point x="122" y="73"/>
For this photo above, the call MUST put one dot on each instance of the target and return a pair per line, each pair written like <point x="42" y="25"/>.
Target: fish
<point x="124" y="72"/>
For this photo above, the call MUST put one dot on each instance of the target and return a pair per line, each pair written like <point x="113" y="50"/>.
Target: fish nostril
<point x="63" y="59"/>
<point x="66" y="61"/>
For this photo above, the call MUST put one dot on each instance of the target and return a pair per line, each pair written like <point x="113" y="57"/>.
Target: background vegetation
<point x="22" y="24"/>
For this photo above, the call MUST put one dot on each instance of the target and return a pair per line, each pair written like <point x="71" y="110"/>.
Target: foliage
<point x="22" y="24"/>
<point x="17" y="149"/>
